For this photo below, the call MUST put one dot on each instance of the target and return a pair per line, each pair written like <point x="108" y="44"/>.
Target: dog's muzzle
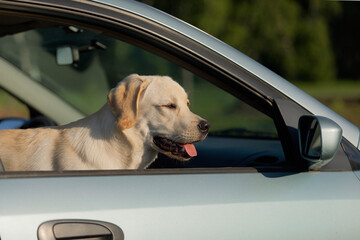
<point x="182" y="150"/>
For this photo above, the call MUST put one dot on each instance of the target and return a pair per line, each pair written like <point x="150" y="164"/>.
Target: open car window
<point x="240" y="135"/>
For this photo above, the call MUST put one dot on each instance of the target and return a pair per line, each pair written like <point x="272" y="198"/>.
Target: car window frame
<point x="175" y="47"/>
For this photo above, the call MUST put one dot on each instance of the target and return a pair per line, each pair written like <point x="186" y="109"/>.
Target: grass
<point x="341" y="96"/>
<point x="343" y="88"/>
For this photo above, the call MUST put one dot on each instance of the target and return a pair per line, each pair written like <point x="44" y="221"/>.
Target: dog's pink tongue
<point x="190" y="149"/>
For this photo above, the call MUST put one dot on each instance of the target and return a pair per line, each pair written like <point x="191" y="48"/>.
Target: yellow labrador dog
<point x="144" y="115"/>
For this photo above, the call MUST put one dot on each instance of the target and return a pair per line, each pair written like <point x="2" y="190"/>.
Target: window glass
<point x="86" y="84"/>
<point x="13" y="113"/>
<point x="229" y="116"/>
<point x="33" y="52"/>
<point x="100" y="62"/>
<point x="10" y="107"/>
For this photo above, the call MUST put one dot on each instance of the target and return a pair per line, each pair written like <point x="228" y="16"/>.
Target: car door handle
<point x="67" y="229"/>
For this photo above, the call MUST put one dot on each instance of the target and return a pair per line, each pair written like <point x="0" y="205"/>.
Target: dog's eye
<point x="170" y="105"/>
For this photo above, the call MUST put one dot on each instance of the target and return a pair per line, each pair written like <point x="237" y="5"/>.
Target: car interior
<point x="69" y="70"/>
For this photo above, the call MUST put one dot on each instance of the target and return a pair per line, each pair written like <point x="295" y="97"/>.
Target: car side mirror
<point x="319" y="139"/>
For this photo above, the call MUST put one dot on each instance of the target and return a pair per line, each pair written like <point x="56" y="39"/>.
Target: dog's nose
<point x="204" y="126"/>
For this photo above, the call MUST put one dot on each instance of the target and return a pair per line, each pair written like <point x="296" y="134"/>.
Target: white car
<point x="277" y="164"/>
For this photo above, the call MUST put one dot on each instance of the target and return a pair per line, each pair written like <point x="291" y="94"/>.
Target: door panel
<point x="194" y="206"/>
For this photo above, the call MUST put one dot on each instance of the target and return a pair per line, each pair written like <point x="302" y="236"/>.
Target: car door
<point x="248" y="182"/>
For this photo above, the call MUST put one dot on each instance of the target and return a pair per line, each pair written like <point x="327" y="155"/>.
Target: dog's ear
<point x="124" y="100"/>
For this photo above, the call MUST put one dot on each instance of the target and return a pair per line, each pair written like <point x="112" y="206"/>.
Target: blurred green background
<point x="314" y="44"/>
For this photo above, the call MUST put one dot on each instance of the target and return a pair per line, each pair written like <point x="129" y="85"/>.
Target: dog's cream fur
<point x="118" y="136"/>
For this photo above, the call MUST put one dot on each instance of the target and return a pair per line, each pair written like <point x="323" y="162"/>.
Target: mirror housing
<point x="319" y="140"/>
<point x="67" y="55"/>
<point x="70" y="55"/>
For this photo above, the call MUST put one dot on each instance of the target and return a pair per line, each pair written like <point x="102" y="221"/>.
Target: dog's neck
<point x="114" y="148"/>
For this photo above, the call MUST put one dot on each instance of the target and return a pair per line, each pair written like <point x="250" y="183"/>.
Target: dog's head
<point x="158" y="107"/>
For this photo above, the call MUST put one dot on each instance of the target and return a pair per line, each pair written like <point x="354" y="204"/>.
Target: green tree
<point x="290" y="37"/>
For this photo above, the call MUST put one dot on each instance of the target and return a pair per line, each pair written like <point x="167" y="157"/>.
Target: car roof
<point x="350" y="131"/>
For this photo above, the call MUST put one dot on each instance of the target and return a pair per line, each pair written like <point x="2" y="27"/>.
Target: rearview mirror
<point x="319" y="139"/>
<point x="67" y="55"/>
<point x="70" y="55"/>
